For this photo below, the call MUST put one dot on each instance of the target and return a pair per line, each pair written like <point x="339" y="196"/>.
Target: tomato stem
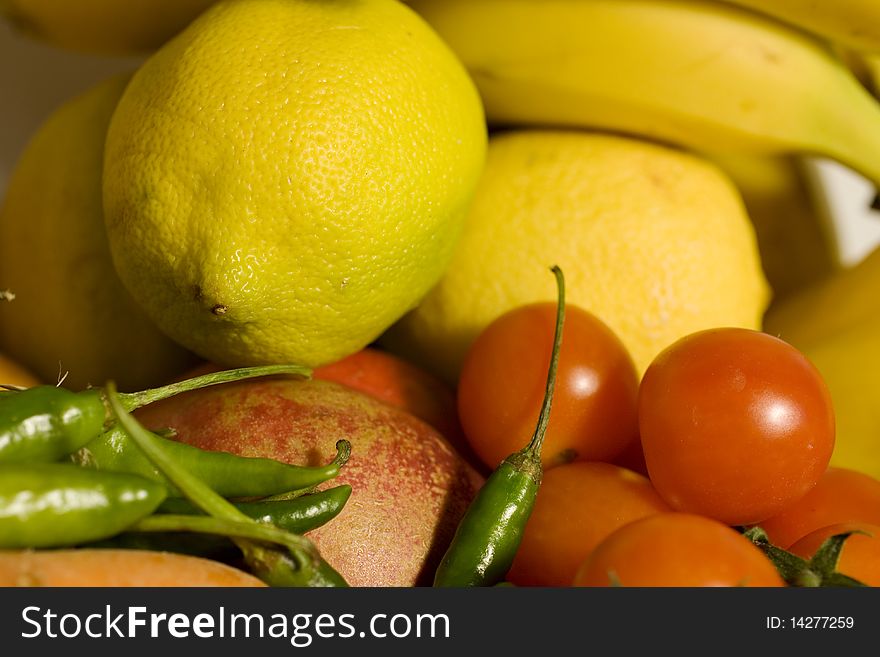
<point x="819" y="571"/>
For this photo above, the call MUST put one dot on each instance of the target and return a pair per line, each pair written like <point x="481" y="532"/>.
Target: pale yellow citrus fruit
<point x="70" y="313"/>
<point x="103" y="26"/>
<point x="653" y="241"/>
<point x="836" y="323"/>
<point x="286" y="178"/>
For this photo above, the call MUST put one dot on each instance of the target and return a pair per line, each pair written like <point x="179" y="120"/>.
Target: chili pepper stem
<point x="217" y="526"/>
<point x="528" y="459"/>
<point x="132" y="400"/>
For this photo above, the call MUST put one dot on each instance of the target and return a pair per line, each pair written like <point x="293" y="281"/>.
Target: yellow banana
<point x="872" y="63"/>
<point x="702" y="74"/>
<point x="855" y="23"/>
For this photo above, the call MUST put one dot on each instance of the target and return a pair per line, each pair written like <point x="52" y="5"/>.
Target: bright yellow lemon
<point x="286" y="178"/>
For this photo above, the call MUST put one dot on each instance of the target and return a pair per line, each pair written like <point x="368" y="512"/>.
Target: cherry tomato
<point x="860" y="556"/>
<point x="502" y="383"/>
<point x="735" y="425"/>
<point x="840" y="496"/>
<point x="677" y="549"/>
<point x="578" y="505"/>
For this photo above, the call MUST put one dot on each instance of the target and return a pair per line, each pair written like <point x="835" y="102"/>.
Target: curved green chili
<point x="277" y="557"/>
<point x="227" y="474"/>
<point x="298" y="515"/>
<point x="45" y="423"/>
<point x="489" y="534"/>
<point x="56" y="505"/>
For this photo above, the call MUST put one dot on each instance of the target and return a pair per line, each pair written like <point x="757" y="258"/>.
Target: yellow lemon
<point x="103" y="26"/>
<point x="70" y="313"/>
<point x="655" y="242"/>
<point x="836" y="323"/>
<point x="286" y="178"/>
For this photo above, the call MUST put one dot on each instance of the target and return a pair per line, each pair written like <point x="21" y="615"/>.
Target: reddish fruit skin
<point x="633" y="458"/>
<point x="841" y="496"/>
<point x="399" y="383"/>
<point x="579" y="504"/>
<point x="860" y="556"/>
<point x="735" y="425"/>
<point x="502" y="381"/>
<point x="677" y="549"/>
<point x="410" y="488"/>
<point x="394" y="381"/>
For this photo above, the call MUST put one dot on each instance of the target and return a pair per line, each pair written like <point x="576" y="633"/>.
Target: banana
<point x="855" y="23"/>
<point x="700" y="74"/>
<point x="872" y="63"/>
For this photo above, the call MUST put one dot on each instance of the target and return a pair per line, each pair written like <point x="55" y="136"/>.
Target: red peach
<point x="397" y="382"/>
<point x="410" y="488"/>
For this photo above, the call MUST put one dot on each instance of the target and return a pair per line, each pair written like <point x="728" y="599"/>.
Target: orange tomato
<point x="860" y="556"/>
<point x="677" y="549"/>
<point x="502" y="382"/>
<point x="579" y="504"/>
<point x="840" y="496"/>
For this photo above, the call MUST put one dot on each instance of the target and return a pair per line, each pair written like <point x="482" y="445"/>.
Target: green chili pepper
<point x="277" y="557"/>
<point x="489" y="534"/>
<point x="227" y="474"/>
<point x="298" y="515"/>
<point x="45" y="423"/>
<point x="54" y="504"/>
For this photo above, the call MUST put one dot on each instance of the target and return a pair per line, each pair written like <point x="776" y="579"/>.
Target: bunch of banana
<point x="872" y="63"/>
<point x="707" y="75"/>
<point x="855" y="23"/>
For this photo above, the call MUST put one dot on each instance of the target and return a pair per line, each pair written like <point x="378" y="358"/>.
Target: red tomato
<point x="860" y="556"/>
<point x="735" y="425"/>
<point x="840" y="496"/>
<point x="677" y="549"/>
<point x="578" y="505"/>
<point x="503" y="379"/>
